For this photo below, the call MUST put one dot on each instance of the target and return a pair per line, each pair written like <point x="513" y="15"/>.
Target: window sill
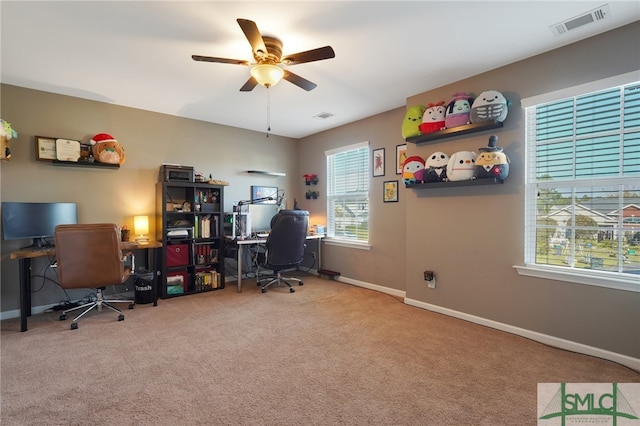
<point x="601" y="279"/>
<point x="346" y="243"/>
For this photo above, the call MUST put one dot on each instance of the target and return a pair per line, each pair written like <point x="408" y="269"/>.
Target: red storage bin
<point x="177" y="255"/>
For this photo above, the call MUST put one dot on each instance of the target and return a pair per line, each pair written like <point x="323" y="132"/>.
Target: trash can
<point x="144" y="288"/>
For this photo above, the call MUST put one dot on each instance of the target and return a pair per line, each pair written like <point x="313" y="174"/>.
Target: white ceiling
<point x="138" y="54"/>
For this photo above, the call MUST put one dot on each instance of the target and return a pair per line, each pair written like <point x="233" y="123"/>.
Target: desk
<point x="24" y="256"/>
<point x="250" y="241"/>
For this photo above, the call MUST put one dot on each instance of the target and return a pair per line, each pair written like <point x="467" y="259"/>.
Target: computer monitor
<point x="261" y="215"/>
<point x="36" y="221"/>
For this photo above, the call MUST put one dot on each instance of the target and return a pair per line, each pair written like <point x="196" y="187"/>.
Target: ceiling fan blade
<point x="220" y="60"/>
<point x="299" y="81"/>
<point x="250" y="30"/>
<point x="249" y="85"/>
<point x="318" y="54"/>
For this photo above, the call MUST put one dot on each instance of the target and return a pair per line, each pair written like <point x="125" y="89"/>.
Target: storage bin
<point x="177" y="255"/>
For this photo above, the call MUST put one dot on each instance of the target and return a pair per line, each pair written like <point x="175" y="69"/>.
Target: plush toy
<point x="492" y="162"/>
<point x="433" y="118"/>
<point x="490" y="105"/>
<point x="461" y="166"/>
<point x="106" y="149"/>
<point x="458" y="110"/>
<point x="412" y="120"/>
<point x="413" y="170"/>
<point x="435" y="167"/>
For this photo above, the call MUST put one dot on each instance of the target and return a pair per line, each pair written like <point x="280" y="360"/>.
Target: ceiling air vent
<point x="323" y="115"/>
<point x="597" y="14"/>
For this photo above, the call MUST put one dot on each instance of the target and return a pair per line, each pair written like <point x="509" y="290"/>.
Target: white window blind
<point x="348" y="193"/>
<point x="583" y="184"/>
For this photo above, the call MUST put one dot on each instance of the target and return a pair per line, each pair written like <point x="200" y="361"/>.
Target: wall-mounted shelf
<point x="455" y="131"/>
<point x="473" y="182"/>
<point x="85" y="164"/>
<point x="261" y="172"/>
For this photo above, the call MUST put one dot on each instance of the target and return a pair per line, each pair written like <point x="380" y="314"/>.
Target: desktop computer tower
<point x="237" y="224"/>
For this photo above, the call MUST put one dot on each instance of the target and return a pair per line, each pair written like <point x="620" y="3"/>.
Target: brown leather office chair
<point x="285" y="247"/>
<point x="89" y="256"/>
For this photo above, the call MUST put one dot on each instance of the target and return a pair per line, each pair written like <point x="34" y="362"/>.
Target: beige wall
<point x="472" y="236"/>
<point x="149" y="139"/>
<point x="384" y="264"/>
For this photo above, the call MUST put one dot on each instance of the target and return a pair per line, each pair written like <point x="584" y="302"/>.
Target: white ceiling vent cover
<point x="597" y="14"/>
<point x="323" y="115"/>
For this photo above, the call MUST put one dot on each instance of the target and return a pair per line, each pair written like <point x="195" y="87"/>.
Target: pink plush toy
<point x="459" y="110"/>
<point x="433" y="118"/>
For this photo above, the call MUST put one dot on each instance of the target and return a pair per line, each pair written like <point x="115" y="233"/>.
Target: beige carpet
<point x="330" y="353"/>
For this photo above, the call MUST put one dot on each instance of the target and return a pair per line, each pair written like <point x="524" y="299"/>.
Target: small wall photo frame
<point x="259" y="193"/>
<point x="378" y="162"/>
<point x="46" y="148"/>
<point x="401" y="155"/>
<point x="390" y="191"/>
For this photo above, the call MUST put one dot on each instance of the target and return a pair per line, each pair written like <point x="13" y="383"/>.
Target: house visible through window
<point x="348" y="193"/>
<point x="583" y="184"/>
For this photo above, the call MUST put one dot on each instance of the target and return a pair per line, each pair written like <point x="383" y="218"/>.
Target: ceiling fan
<point x="267" y="52"/>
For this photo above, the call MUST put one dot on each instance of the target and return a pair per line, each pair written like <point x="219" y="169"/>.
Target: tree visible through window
<point x="348" y="193"/>
<point x="583" y="183"/>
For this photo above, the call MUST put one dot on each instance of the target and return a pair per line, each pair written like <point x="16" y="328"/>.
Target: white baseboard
<point x="16" y="312"/>
<point x="633" y="363"/>
<point x="381" y="289"/>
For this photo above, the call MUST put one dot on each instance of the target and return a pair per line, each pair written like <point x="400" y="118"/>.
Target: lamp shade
<point x="267" y="75"/>
<point x="141" y="225"/>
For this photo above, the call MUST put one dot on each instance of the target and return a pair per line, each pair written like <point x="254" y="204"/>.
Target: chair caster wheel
<point x="264" y="290"/>
<point x="292" y="290"/>
<point x="132" y="305"/>
<point x="301" y="283"/>
<point x="120" y="317"/>
<point x="63" y="317"/>
<point x="74" y="326"/>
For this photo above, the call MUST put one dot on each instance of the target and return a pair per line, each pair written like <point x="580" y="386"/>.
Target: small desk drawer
<point x="177" y="255"/>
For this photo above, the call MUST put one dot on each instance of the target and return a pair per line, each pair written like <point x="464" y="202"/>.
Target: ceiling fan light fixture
<point x="267" y="75"/>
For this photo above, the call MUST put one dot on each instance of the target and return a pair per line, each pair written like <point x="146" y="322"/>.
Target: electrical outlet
<point x="313" y="254"/>
<point x="430" y="278"/>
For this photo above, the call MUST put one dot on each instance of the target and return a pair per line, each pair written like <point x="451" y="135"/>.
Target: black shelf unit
<point x="447" y="184"/>
<point x="455" y="131"/>
<point x="189" y="222"/>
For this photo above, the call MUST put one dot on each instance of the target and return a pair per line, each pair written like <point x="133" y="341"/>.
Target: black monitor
<point x="36" y="221"/>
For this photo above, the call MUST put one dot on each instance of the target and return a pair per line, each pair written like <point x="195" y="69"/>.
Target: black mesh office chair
<point x="89" y="256"/>
<point x="285" y="247"/>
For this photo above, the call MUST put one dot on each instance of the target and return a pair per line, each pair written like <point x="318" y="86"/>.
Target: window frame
<point x="615" y="280"/>
<point x="363" y="176"/>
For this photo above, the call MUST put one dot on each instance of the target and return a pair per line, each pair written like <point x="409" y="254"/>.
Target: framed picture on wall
<point x="390" y="194"/>
<point x="260" y="194"/>
<point x="45" y="148"/>
<point x="378" y="162"/>
<point x="401" y="155"/>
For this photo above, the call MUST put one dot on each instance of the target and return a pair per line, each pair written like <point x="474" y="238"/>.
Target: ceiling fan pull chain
<point x="268" y="111"/>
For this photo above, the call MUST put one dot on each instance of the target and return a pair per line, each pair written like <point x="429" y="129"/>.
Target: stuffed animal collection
<point x="461" y="109"/>
<point x="492" y="162"/>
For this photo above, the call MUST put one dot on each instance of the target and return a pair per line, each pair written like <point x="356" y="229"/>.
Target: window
<point x="583" y="186"/>
<point x="348" y="193"/>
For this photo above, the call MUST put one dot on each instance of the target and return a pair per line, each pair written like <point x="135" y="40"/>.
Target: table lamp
<point x="141" y="227"/>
